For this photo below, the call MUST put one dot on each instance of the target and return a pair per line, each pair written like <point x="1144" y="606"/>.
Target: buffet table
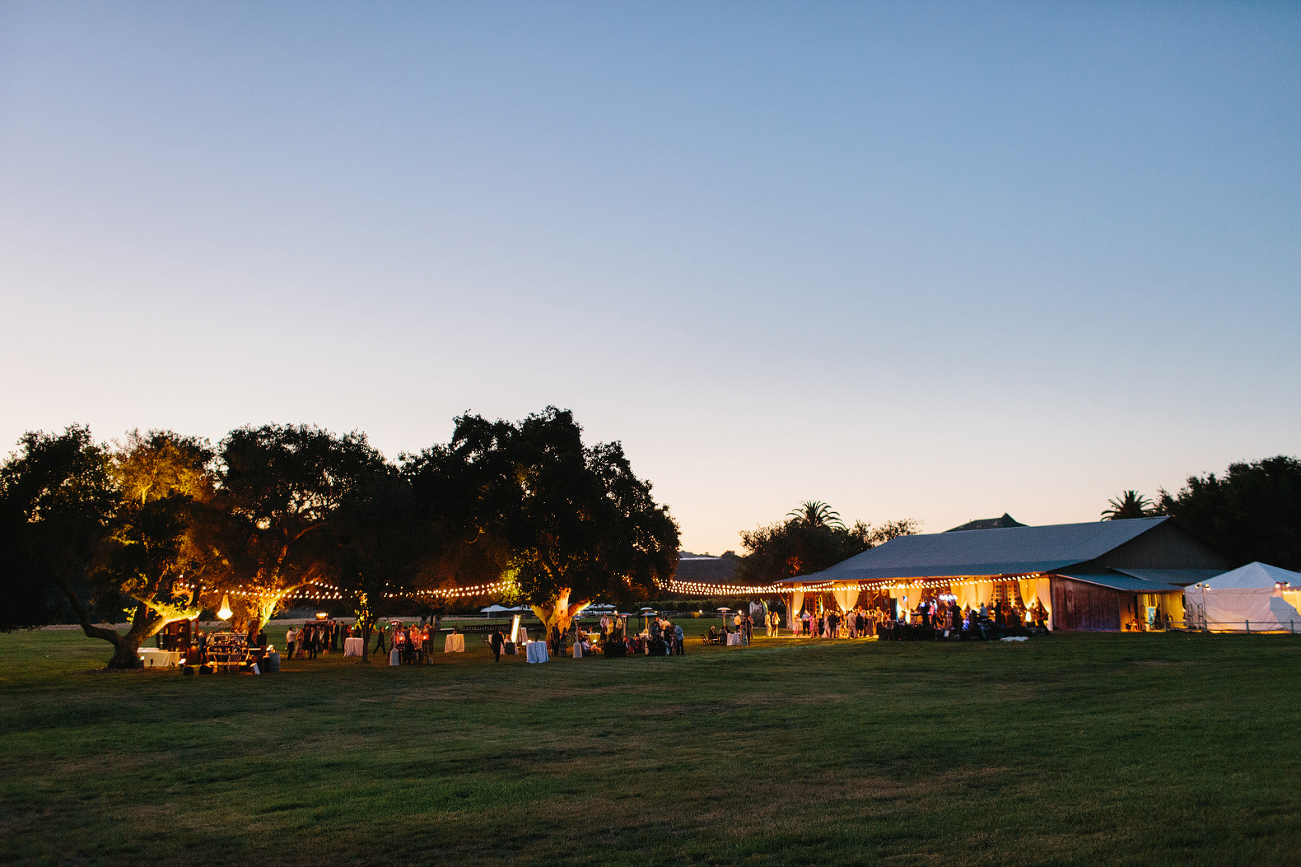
<point x="154" y="658"/>
<point x="455" y="643"/>
<point x="355" y="646"/>
<point x="536" y="651"/>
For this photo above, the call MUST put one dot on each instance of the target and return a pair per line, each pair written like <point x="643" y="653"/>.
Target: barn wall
<point x="1165" y="546"/>
<point x="1084" y="607"/>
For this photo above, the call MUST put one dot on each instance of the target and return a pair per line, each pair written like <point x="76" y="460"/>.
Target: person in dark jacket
<point x="497" y="642"/>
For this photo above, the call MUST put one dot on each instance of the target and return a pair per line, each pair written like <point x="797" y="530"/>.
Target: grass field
<point x="1071" y="749"/>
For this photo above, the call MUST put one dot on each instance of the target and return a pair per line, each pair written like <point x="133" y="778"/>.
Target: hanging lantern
<point x="225" y="611"/>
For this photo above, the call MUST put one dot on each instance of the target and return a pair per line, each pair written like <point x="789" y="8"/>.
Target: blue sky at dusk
<point x="930" y="260"/>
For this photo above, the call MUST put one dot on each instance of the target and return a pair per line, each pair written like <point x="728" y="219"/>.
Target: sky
<point x="928" y="260"/>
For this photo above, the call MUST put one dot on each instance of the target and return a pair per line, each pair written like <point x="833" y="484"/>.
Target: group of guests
<point x="661" y="638"/>
<point x="315" y="638"/>
<point x="414" y="642"/>
<point x="933" y="618"/>
<point x="946" y="614"/>
<point x="858" y="623"/>
<point x="744" y="624"/>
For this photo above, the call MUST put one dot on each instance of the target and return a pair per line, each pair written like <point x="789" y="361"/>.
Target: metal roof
<point x="1122" y="582"/>
<point x="1002" y="551"/>
<point x="1181" y="577"/>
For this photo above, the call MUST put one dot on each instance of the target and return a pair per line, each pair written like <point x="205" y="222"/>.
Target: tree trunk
<point x="366" y="629"/>
<point x="366" y="623"/>
<point x="558" y="612"/>
<point x="126" y="648"/>
<point x="264" y="608"/>
<point x="126" y="654"/>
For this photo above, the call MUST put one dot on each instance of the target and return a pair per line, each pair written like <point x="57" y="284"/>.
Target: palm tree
<point x="1130" y="504"/>
<point x="816" y="513"/>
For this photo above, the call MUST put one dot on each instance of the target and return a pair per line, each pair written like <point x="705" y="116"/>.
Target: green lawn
<point x="1143" y="749"/>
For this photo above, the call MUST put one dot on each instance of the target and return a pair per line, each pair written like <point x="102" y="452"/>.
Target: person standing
<point x="290" y="636"/>
<point x="380" y="646"/>
<point x="497" y="642"/>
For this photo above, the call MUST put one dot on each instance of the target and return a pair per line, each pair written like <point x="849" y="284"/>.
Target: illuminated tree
<point x="575" y="522"/>
<point x="278" y="486"/>
<point x="108" y="529"/>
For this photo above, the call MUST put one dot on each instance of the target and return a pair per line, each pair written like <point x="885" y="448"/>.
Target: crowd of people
<point x="858" y="623"/>
<point x="931" y="618"/>
<point x="315" y="638"/>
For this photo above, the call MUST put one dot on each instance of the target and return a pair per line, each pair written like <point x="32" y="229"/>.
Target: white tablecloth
<point x="355" y="646"/>
<point x="454" y="644"/>
<point x="155" y="658"/>
<point x="537" y="651"/>
<point x="734" y="638"/>
<point x="395" y="657"/>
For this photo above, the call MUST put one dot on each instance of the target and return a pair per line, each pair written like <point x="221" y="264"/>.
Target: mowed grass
<point x="1071" y="749"/>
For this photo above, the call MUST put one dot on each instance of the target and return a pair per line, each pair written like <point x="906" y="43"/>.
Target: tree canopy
<point x="574" y="521"/>
<point x="106" y="528"/>
<point x="163" y="525"/>
<point x="277" y="488"/>
<point x="811" y="539"/>
<point x="1252" y="512"/>
<point x="1130" y="504"/>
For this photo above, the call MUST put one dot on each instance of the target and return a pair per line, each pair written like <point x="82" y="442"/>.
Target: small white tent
<point x="1254" y="598"/>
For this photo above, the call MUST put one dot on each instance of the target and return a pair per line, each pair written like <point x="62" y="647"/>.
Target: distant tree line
<point x="162" y="526"/>
<point x="811" y="538"/>
<point x="1252" y="512"/>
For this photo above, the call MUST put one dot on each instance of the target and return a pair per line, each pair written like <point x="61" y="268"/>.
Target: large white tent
<point x="1254" y="598"/>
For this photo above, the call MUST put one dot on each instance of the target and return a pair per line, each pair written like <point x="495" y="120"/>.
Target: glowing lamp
<point x="225" y="611"/>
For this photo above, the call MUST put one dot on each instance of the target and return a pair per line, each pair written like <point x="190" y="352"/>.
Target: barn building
<point x="1103" y="575"/>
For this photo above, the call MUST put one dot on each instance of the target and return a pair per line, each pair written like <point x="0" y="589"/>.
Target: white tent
<point x="1254" y="598"/>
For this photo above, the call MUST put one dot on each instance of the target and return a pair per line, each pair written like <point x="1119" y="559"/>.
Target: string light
<point x="316" y="591"/>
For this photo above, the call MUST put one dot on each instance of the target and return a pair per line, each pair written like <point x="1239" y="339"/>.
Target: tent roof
<point x="1251" y="576"/>
<point x="1000" y="551"/>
